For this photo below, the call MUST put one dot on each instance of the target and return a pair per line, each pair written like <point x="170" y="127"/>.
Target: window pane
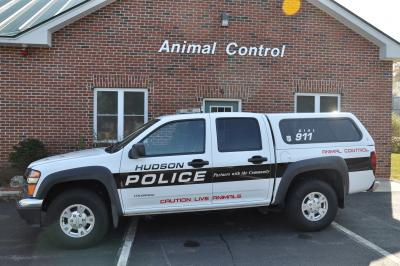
<point x="107" y="127"/>
<point x="345" y="130"/>
<point x="182" y="137"/>
<point x="329" y="104"/>
<point x="134" y="103"/>
<point x="220" y="109"/>
<point x="305" y="104"/>
<point x="131" y="123"/>
<point x="319" y="130"/>
<point x="238" y="134"/>
<point x="107" y="102"/>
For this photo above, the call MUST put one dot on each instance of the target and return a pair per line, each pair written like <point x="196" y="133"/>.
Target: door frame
<point x="239" y="101"/>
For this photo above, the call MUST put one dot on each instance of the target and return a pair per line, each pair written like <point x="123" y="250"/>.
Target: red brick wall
<point x="48" y="94"/>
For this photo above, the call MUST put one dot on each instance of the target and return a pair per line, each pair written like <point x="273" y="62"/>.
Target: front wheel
<point x="312" y="205"/>
<point x="77" y="219"/>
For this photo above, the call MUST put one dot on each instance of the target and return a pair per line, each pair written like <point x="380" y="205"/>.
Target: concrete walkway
<point x="388" y="185"/>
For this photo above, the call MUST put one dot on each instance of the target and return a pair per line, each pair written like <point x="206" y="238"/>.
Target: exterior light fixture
<point x="24" y="52"/>
<point x="224" y="19"/>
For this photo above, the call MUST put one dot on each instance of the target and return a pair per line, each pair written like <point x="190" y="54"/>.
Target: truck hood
<point x="69" y="156"/>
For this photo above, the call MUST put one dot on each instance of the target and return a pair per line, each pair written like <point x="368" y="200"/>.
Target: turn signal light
<point x="32" y="179"/>
<point x="31" y="189"/>
<point x="373" y="161"/>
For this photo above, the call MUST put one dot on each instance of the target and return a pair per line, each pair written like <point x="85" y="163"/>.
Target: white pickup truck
<point x="305" y="164"/>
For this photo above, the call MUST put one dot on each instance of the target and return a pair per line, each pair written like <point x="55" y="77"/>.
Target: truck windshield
<point x="119" y="145"/>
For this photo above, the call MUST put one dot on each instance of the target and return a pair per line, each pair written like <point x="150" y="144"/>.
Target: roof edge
<point x="42" y="35"/>
<point x="389" y="47"/>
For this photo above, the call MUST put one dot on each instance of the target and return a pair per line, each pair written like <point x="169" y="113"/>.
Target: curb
<point x="9" y="194"/>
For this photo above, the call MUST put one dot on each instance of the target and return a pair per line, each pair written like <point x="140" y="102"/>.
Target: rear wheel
<point x="312" y="205"/>
<point x="77" y="218"/>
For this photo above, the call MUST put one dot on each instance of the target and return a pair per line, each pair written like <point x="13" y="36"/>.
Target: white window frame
<point x="217" y="106"/>
<point x="239" y="101"/>
<point x="120" y="129"/>
<point x="317" y="100"/>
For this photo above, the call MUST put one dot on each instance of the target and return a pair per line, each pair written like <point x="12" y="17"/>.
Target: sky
<point x="383" y="14"/>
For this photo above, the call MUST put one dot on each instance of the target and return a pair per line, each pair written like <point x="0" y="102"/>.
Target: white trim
<point x="120" y="123"/>
<point x="41" y="36"/>
<point x="317" y="100"/>
<point x="219" y="106"/>
<point x="120" y="119"/>
<point x="389" y="48"/>
<point x="203" y="107"/>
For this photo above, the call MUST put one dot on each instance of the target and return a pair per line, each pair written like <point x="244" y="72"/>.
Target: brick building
<point x="91" y="71"/>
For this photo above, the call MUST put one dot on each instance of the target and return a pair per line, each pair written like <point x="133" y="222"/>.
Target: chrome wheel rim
<point x="314" y="206"/>
<point x="77" y="221"/>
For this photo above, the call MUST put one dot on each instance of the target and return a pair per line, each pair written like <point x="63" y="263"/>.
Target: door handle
<point x="257" y="159"/>
<point x="198" y="163"/>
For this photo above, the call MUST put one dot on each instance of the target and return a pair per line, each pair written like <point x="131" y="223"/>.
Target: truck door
<point x="242" y="156"/>
<point x="174" y="173"/>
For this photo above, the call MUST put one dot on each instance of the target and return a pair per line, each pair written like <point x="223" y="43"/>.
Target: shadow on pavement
<point x="24" y="245"/>
<point x="240" y="237"/>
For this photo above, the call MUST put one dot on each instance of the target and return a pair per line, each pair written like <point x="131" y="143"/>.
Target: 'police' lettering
<point x="182" y="175"/>
<point x="199" y="176"/>
<point x="131" y="179"/>
<point x="149" y="179"/>
<point x="172" y="178"/>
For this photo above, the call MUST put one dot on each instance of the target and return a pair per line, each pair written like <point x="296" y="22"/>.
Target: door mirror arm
<point x="138" y="150"/>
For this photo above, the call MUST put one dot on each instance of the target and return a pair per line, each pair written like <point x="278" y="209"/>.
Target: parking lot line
<point x="359" y="239"/>
<point x="126" y="247"/>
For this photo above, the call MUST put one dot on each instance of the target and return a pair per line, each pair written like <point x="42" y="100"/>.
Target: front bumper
<point x="30" y="209"/>
<point x="374" y="186"/>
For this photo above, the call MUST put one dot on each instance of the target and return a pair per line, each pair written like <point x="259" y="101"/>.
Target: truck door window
<point x="176" y="138"/>
<point x="238" y="134"/>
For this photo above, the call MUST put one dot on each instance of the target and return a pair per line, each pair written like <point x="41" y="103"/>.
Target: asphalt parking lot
<point x="367" y="232"/>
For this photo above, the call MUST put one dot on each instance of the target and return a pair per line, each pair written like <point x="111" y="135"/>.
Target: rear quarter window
<point x="319" y="130"/>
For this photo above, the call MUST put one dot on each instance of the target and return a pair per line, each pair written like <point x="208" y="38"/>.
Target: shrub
<point x="396" y="144"/>
<point x="27" y="151"/>
<point x="395" y="125"/>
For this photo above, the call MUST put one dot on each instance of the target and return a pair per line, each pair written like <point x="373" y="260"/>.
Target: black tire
<point x="90" y="199"/>
<point x="295" y="200"/>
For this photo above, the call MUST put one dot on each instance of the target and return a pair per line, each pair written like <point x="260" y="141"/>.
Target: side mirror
<point x="137" y="151"/>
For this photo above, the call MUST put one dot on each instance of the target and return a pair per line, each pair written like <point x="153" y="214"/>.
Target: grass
<point x="7" y="173"/>
<point x="395" y="166"/>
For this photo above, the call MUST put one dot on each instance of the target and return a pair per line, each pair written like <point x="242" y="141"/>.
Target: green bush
<point x="395" y="125"/>
<point x="27" y="151"/>
<point x="396" y="144"/>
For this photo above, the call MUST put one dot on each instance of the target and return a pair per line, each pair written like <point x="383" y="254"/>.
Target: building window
<point x="221" y="109"/>
<point x="317" y="103"/>
<point x="118" y="112"/>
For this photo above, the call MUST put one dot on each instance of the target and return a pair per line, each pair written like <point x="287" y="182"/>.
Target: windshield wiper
<point x="111" y="148"/>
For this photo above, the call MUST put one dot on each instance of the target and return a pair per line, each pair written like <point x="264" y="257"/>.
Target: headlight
<point x="32" y="179"/>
